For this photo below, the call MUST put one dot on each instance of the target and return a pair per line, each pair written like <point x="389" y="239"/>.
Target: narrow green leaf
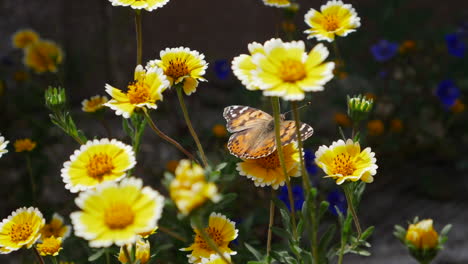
<point x="254" y="252"/>
<point x="367" y="233"/>
<point x="97" y="255"/>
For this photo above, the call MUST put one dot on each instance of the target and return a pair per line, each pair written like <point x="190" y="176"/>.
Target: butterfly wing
<point x="288" y="132"/>
<point x="239" y="118"/>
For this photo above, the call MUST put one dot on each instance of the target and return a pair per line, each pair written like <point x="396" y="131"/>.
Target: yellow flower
<point x="221" y="230"/>
<point x="215" y="259"/>
<point x="458" y="107"/>
<point x="148" y="5"/>
<point x="277" y="3"/>
<point x="144" y="92"/>
<point x="96" y="162"/>
<point x="43" y="56"/>
<point x="219" y="131"/>
<point x="115" y="213"/>
<point x="243" y="66"/>
<point x="26" y="144"/>
<point x="56" y="228"/>
<point x="342" y="119"/>
<point x="94" y="103"/>
<point x="189" y="189"/>
<point x="149" y="233"/>
<point x="286" y="70"/>
<point x="21" y="228"/>
<point x="344" y="161"/>
<point x="172" y="165"/>
<point x="267" y="171"/>
<point x="142" y="252"/>
<point x="50" y="246"/>
<point x="375" y="127"/>
<point x="181" y="65"/>
<point x="422" y="235"/>
<point x="122" y="256"/>
<point x="335" y="18"/>
<point x="3" y="145"/>
<point x="396" y="125"/>
<point x="24" y="37"/>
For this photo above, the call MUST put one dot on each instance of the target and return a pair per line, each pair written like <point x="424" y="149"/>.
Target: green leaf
<point x="323" y="208"/>
<point x="227" y="199"/>
<point x="326" y="238"/>
<point x="221" y="166"/>
<point x="446" y="230"/>
<point x="97" y="255"/>
<point x="300" y="226"/>
<point x="281" y="232"/>
<point x="254" y="252"/>
<point x="367" y="233"/>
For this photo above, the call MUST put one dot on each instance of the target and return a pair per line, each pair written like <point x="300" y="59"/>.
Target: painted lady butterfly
<point x="254" y="132"/>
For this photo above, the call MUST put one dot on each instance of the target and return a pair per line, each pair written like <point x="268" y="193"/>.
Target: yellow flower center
<point x="343" y="165"/>
<point x="269" y="162"/>
<point x="20" y="232"/>
<point x="138" y="92"/>
<point x="331" y="23"/>
<point x="177" y="68"/>
<point x="292" y="70"/>
<point x="214" y="233"/>
<point x="95" y="104"/>
<point x="119" y="215"/>
<point x="99" y="165"/>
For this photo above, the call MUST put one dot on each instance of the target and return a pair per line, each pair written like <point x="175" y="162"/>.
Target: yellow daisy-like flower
<point x="96" y="162"/>
<point x="43" y="56"/>
<point x="221" y="230"/>
<point x="21" y="228"/>
<point x="344" y="161"/>
<point x="335" y="18"/>
<point x="56" y="228"/>
<point x="286" y="70"/>
<point x="422" y="235"/>
<point x="26" y="144"/>
<point x="189" y="189"/>
<point x="115" y="213"/>
<point x="277" y="3"/>
<point x="216" y="259"/>
<point x="148" y="5"/>
<point x="267" y="171"/>
<point x="122" y="257"/>
<point x="50" y="246"/>
<point x="142" y="251"/>
<point x="94" y="103"/>
<point x="144" y="92"/>
<point x="3" y="145"/>
<point x="243" y="66"/>
<point x="149" y="233"/>
<point x="181" y="65"/>
<point x="23" y="38"/>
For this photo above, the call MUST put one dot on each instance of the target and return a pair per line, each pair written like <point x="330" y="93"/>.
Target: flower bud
<point x="422" y="235"/>
<point x="359" y="107"/>
<point x="55" y="98"/>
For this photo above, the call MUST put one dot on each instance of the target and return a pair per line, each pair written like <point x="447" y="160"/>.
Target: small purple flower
<point x="455" y="45"/>
<point x="384" y="50"/>
<point x="336" y="198"/>
<point x="298" y="196"/>
<point x="309" y="160"/>
<point x="448" y="93"/>
<point x="222" y="69"/>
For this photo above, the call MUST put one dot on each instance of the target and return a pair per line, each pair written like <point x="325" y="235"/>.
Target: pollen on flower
<point x="177" y="68"/>
<point x="214" y="234"/>
<point x="343" y="164"/>
<point x="269" y="162"/>
<point x="99" y="165"/>
<point x="292" y="70"/>
<point x="331" y="22"/>
<point x="138" y="92"/>
<point x="119" y="216"/>
<point x="20" y="232"/>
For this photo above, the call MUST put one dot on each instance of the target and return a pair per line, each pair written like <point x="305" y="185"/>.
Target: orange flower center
<point x="119" y="216"/>
<point x="343" y="165"/>
<point x="20" y="232"/>
<point x="292" y="70"/>
<point x="331" y="23"/>
<point x="214" y="233"/>
<point x="269" y="162"/>
<point x="177" y="68"/>
<point x="95" y="104"/>
<point x="99" y="165"/>
<point x="138" y="92"/>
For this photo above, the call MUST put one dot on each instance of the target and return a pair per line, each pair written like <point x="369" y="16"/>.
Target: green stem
<point x="171" y="233"/>
<point x="31" y="178"/>
<point x="314" y="233"/>
<point x="54" y="259"/>
<point x="279" y="148"/>
<point x="338" y="57"/>
<point x="139" y="37"/>
<point x="106" y="127"/>
<point x="340" y="255"/>
<point x="127" y="253"/>
<point x="270" y="224"/>
<point x="107" y="257"/>
<point x="41" y="260"/>
<point x="189" y="124"/>
<point x="349" y="200"/>
<point x="305" y="175"/>
<point x="166" y="137"/>
<point x="208" y="240"/>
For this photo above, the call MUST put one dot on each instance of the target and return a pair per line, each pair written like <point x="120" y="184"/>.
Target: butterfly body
<point x="254" y="132"/>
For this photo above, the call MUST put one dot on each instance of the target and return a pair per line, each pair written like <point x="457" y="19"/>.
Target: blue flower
<point x="309" y="160"/>
<point x="448" y="93"/>
<point x="384" y="50"/>
<point x="338" y="199"/>
<point x="455" y="45"/>
<point x="222" y="69"/>
<point x="298" y="195"/>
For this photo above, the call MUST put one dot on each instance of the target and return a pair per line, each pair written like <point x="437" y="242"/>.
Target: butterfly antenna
<point x="307" y="104"/>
